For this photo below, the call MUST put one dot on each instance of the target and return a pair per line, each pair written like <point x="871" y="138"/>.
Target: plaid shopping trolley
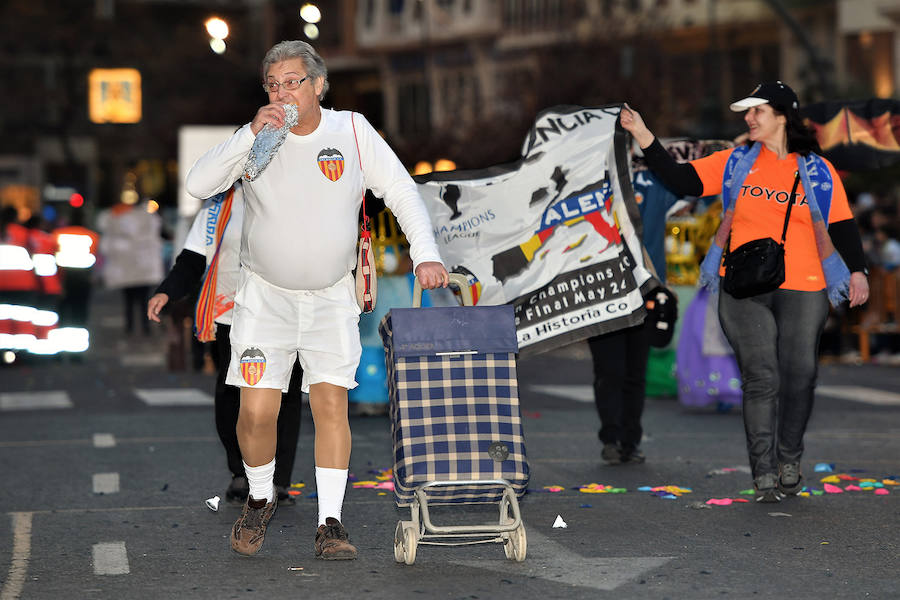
<point x="456" y="426"/>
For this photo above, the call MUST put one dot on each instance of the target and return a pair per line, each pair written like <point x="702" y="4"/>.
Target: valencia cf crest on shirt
<point x="331" y="163"/>
<point x="253" y="365"/>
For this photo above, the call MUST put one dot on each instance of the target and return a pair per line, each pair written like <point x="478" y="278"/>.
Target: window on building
<point x="607" y="8"/>
<point x="413" y="109"/>
<point x="870" y="61"/>
<point x="369" y="13"/>
<point x="459" y="95"/>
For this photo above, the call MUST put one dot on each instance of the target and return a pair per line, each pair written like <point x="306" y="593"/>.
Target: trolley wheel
<point x="516" y="544"/>
<point x="398" y="543"/>
<point x="409" y="544"/>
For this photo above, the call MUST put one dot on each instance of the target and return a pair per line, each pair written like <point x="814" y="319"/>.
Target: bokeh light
<point x="217" y="28"/>
<point x="310" y="13"/>
<point x="217" y="45"/>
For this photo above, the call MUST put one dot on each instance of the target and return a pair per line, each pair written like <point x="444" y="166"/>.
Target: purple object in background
<point x="704" y="379"/>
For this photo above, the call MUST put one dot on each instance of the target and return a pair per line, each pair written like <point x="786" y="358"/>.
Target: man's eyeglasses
<point x="290" y="84"/>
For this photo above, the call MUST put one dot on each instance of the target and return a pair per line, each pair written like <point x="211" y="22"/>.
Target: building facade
<point x="460" y="79"/>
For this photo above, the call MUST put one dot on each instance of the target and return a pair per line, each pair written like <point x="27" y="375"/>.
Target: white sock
<point x="260" y="480"/>
<point x="330" y="485"/>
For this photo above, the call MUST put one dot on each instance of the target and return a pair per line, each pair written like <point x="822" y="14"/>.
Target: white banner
<point x="556" y="234"/>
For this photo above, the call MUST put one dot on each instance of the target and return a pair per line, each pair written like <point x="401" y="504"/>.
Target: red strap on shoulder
<point x="365" y="224"/>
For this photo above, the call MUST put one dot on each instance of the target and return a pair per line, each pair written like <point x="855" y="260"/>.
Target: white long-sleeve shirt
<point x="300" y="225"/>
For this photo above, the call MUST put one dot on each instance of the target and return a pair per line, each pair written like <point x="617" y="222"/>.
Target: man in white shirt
<point x="296" y="292"/>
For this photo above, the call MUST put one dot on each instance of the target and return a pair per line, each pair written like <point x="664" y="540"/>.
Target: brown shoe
<point x="249" y="530"/>
<point x="332" y="541"/>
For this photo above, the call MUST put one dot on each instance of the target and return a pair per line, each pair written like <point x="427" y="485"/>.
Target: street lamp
<point x="311" y="14"/>
<point x="217" y="28"/>
<point x="311" y="31"/>
<point x="218" y="31"/>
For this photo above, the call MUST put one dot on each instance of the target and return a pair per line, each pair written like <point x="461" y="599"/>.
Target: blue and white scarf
<point x="818" y="185"/>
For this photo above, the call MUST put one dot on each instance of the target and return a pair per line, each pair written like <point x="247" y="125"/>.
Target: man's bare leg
<point x="328" y="404"/>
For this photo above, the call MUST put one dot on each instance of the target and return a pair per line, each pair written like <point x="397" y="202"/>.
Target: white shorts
<point x="272" y="325"/>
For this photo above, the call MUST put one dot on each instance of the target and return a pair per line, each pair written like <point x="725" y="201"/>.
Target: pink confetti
<point x="853" y="488"/>
<point x="720" y="501"/>
<point x="833" y="489"/>
<point x="881" y="491"/>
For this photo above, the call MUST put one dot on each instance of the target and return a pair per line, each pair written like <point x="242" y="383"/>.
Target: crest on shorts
<point x="253" y="365"/>
<point x="331" y="163"/>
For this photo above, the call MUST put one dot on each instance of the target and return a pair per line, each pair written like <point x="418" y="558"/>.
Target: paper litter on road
<point x="559" y="523"/>
<point x="213" y="503"/>
<point x="729" y="470"/>
<point x="599" y="488"/>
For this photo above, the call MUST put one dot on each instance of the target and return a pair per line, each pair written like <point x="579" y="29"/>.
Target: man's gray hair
<point x="315" y="66"/>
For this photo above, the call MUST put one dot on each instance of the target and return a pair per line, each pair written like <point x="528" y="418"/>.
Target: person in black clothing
<point x="210" y="257"/>
<point x="620" y="378"/>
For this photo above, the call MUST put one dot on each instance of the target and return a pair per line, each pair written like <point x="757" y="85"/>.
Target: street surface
<point x="107" y="464"/>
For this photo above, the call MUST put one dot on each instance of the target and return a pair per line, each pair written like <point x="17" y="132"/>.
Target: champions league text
<point x="596" y="294"/>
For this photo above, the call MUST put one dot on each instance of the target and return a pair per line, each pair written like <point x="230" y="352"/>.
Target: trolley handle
<point x="456" y="279"/>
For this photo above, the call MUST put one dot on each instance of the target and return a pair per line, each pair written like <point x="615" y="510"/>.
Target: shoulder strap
<point x="787" y="216"/>
<point x="365" y="224"/>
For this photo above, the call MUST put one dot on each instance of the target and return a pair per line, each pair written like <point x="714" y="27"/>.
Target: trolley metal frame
<point x="509" y="529"/>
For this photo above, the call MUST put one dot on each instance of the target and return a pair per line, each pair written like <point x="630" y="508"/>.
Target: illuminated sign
<point x="114" y="95"/>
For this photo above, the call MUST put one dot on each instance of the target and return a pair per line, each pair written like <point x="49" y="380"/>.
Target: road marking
<point x="549" y="560"/>
<point x="106" y="483"/>
<point x="21" y="553"/>
<point x="35" y="400"/>
<point x="585" y="393"/>
<point x="578" y="393"/>
<point x="110" y="558"/>
<point x="104" y="440"/>
<point x="136" y="440"/>
<point x="143" y="360"/>
<point x="860" y="394"/>
<point x="174" y="397"/>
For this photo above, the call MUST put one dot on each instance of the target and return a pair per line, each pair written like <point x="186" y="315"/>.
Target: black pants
<point x="228" y="406"/>
<point x="620" y="379"/>
<point x="74" y="304"/>
<point x="136" y="298"/>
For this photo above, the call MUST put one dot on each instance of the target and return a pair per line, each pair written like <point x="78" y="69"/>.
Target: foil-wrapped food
<point x="267" y="142"/>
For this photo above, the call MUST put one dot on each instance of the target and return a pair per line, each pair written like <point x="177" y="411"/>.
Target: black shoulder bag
<point x="757" y="267"/>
